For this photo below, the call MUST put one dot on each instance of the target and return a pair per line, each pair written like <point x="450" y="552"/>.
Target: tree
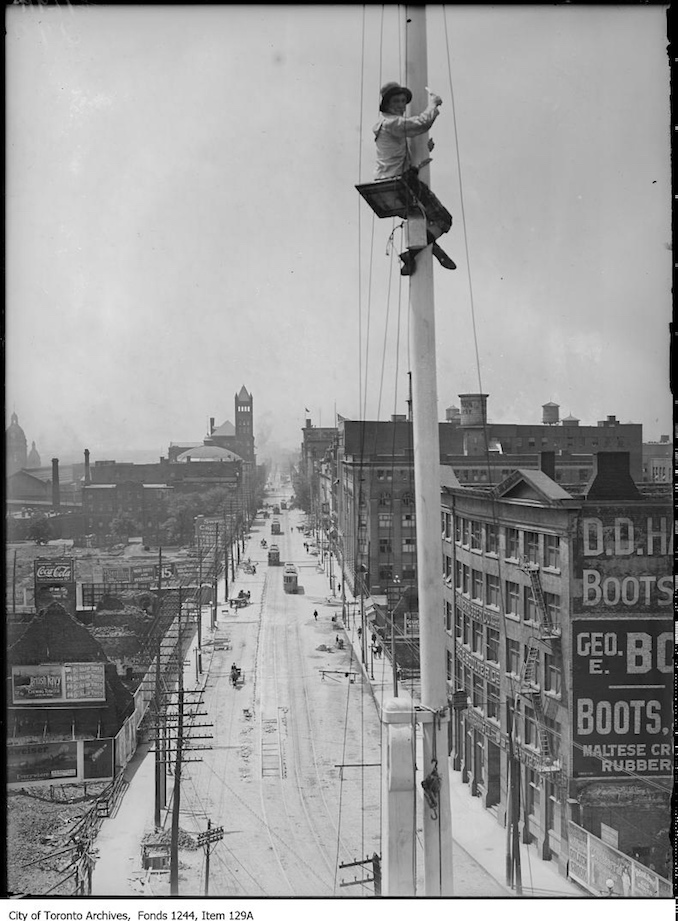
<point x="40" y="530"/>
<point x="124" y="525"/>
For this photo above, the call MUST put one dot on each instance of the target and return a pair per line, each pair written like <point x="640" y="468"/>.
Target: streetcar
<point x="274" y="555"/>
<point x="275" y="526"/>
<point x="290" y="579"/>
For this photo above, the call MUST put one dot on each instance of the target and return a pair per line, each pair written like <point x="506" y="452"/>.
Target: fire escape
<point x="548" y="633"/>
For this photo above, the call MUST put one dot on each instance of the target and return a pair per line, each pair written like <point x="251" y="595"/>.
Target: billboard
<point x="622" y="719"/>
<point x="97" y="762"/>
<point x="70" y="683"/>
<point x="53" y="572"/>
<point x="42" y="761"/>
<point x="595" y="865"/>
<point x="623" y="560"/>
<point x="54" y="580"/>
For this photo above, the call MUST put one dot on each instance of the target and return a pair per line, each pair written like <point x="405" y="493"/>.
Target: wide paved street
<point x="291" y="772"/>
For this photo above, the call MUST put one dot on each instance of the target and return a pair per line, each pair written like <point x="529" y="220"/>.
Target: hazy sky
<point x="182" y="218"/>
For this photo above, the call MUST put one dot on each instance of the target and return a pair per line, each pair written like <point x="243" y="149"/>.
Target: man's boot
<point x="443" y="258"/>
<point x="409" y="265"/>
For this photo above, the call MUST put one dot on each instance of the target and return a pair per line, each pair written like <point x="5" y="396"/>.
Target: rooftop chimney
<point x="611" y="478"/>
<point x="211" y="424"/>
<point x="56" y="498"/>
<point x="88" y="476"/>
<point x="547" y="463"/>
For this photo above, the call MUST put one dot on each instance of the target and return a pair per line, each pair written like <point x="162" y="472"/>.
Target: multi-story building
<point x="557" y="607"/>
<point x="658" y="461"/>
<point x="567" y="438"/>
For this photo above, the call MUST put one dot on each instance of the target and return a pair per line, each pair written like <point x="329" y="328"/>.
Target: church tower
<point x="15" y="444"/>
<point x="244" y="424"/>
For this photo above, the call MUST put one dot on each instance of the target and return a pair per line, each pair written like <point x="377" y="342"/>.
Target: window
<point x="446" y="523"/>
<point x="514" y="659"/>
<point x="407" y="520"/>
<point x="532" y="546"/>
<point x="409" y="573"/>
<point x="457" y="529"/>
<point x="552" y="804"/>
<point x="385" y="545"/>
<point x="532" y="790"/>
<point x="384" y="499"/>
<point x="465" y="579"/>
<point x="362" y="520"/>
<point x="447" y="565"/>
<point x="362" y="546"/>
<point x="407" y="498"/>
<point x="478" y="692"/>
<point x="465" y="531"/>
<point x="552" y="674"/>
<point x="531" y="734"/>
<point x="552" y="551"/>
<point x="458" y="624"/>
<point x="492" y="706"/>
<point x="385" y="572"/>
<point x="466" y="634"/>
<point x="553" y="731"/>
<point x="477" y="637"/>
<point x="512" y="599"/>
<point x="458" y="574"/>
<point x="477" y="585"/>
<point x="476" y="536"/>
<point x="491" y="538"/>
<point x="552" y="603"/>
<point x="492" y="591"/>
<point x="492" y="645"/>
<point x="384" y="474"/>
<point x="530" y="609"/>
<point x="409" y="545"/>
<point x="385" y="519"/>
<point x="450" y="666"/>
<point x="449" y="614"/>
<point x="512" y="543"/>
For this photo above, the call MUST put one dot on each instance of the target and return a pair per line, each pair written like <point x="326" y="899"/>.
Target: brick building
<point x="558" y="613"/>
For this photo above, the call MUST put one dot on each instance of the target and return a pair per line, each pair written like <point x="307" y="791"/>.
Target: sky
<point x="182" y="218"/>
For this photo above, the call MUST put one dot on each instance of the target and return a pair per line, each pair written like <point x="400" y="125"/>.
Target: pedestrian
<point x="374" y="638"/>
<point x="377" y="651"/>
<point x="315" y="614"/>
<point x="338" y="586"/>
<point x="391" y="133"/>
<point x="360" y="632"/>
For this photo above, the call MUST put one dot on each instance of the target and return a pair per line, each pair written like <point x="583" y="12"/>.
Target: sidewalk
<point x="474" y="828"/>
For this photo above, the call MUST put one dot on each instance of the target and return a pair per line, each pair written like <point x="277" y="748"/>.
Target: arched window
<point x="407" y="498"/>
<point x="384" y="499"/>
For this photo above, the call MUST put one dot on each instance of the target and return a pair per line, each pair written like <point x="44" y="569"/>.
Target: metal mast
<point x="437" y="822"/>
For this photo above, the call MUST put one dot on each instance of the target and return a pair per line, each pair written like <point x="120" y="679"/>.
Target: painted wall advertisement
<point x="622" y="643"/>
<point x="604" y="870"/>
<point x="621" y="697"/>
<point x="68" y="683"/>
<point x="623" y="561"/>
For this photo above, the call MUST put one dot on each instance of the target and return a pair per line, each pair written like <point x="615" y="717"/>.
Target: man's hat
<point x="390" y="89"/>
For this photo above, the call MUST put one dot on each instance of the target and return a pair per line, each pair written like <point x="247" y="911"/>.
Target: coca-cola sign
<point x="51" y="572"/>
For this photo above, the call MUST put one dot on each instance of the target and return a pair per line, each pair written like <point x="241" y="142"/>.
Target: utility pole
<point x="159" y="765"/>
<point x="227" y="538"/>
<point x="176" y="795"/>
<point x="14" y="585"/>
<point x="437" y="822"/>
<point x="216" y="577"/>
<point x="205" y="839"/>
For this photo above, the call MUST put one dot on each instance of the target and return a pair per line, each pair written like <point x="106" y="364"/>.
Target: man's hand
<point x="434" y="98"/>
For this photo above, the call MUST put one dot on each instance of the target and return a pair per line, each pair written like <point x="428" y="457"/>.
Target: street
<point x="291" y="771"/>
